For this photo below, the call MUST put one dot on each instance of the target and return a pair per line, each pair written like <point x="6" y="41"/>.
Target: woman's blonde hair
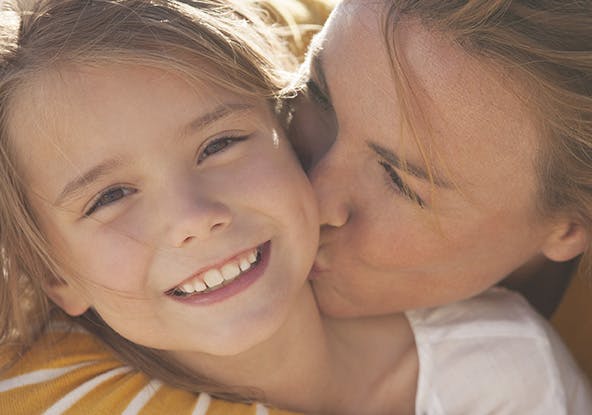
<point x="546" y="45"/>
<point x="225" y="42"/>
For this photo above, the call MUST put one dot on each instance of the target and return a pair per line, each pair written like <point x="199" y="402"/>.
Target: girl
<point x="150" y="193"/>
<point x="187" y="228"/>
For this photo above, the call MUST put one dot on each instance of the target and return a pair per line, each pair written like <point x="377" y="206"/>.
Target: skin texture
<point x="392" y="240"/>
<point x="173" y="201"/>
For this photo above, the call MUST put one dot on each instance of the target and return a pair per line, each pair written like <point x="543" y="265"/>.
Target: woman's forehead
<point x="476" y="122"/>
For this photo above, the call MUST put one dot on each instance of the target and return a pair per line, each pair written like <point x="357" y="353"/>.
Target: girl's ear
<point x="568" y="240"/>
<point x="66" y="297"/>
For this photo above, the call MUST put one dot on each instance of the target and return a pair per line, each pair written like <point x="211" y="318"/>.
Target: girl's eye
<point x="108" y="197"/>
<point x="218" y="145"/>
<point x="317" y="95"/>
<point x="400" y="186"/>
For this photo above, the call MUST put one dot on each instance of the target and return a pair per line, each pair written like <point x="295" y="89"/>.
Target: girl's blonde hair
<point x="546" y="45"/>
<point x="224" y="42"/>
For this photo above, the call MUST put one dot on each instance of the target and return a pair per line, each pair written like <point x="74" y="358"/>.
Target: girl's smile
<point x="220" y="282"/>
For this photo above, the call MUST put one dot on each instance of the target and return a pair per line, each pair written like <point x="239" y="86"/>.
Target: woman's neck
<point x="542" y="282"/>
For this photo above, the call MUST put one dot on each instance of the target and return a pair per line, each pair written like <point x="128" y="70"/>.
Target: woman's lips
<point x="320" y="264"/>
<point x="316" y="270"/>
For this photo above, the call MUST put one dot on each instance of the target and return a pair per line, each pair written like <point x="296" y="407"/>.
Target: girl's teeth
<point x="188" y="288"/>
<point x="213" y="278"/>
<point x="198" y="286"/>
<point x="230" y="271"/>
<point x="252" y="257"/>
<point x="244" y="264"/>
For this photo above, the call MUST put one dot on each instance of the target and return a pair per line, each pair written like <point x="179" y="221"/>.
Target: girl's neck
<point x="314" y="364"/>
<point x="291" y="368"/>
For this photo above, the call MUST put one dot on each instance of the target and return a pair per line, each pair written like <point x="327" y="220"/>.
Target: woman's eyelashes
<point x="318" y="95"/>
<point x="400" y="186"/>
<point x="219" y="145"/>
<point x="108" y="197"/>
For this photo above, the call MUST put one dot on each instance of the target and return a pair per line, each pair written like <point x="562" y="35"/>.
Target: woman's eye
<point x="218" y="145"/>
<point x="317" y="95"/>
<point x="400" y="186"/>
<point x="108" y="197"/>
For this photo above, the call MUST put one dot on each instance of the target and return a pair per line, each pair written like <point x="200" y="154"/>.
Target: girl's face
<point x="151" y="189"/>
<point x="390" y="239"/>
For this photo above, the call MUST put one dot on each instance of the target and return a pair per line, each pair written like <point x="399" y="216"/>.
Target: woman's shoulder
<point x="70" y="370"/>
<point x="495" y="312"/>
<point x="493" y="349"/>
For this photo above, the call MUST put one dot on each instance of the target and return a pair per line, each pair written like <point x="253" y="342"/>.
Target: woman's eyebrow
<point x="317" y="72"/>
<point x="411" y="168"/>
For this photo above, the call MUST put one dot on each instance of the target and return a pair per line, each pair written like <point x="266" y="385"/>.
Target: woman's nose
<point x="329" y="177"/>
<point x="196" y="218"/>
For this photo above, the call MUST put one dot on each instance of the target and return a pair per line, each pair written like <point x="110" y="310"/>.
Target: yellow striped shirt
<point x="70" y="372"/>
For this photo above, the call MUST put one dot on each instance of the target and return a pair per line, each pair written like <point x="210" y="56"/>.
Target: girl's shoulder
<point x="70" y="370"/>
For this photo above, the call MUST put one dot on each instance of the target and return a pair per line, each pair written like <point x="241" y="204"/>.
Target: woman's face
<point x="390" y="239"/>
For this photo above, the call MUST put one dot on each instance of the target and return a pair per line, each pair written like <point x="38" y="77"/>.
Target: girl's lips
<point x="230" y="288"/>
<point x="210" y="278"/>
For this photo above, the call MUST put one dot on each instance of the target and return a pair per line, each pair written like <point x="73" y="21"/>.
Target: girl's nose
<point x="197" y="218"/>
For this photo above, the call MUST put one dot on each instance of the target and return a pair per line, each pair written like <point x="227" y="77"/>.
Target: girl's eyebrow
<point x="107" y="166"/>
<point x="86" y="179"/>
<point x="211" y="117"/>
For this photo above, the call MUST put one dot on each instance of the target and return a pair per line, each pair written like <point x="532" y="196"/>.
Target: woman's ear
<point x="66" y="297"/>
<point x="568" y="240"/>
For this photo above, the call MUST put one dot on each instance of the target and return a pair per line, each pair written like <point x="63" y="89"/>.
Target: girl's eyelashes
<point x="116" y="193"/>
<point x="218" y="145"/>
<point x="108" y="197"/>
<point x="317" y="95"/>
<point x="400" y="186"/>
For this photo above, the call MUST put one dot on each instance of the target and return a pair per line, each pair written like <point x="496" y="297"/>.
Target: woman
<point x="462" y="136"/>
<point x="511" y="43"/>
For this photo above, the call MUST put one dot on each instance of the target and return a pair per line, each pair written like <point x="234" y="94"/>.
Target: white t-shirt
<point x="493" y="354"/>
